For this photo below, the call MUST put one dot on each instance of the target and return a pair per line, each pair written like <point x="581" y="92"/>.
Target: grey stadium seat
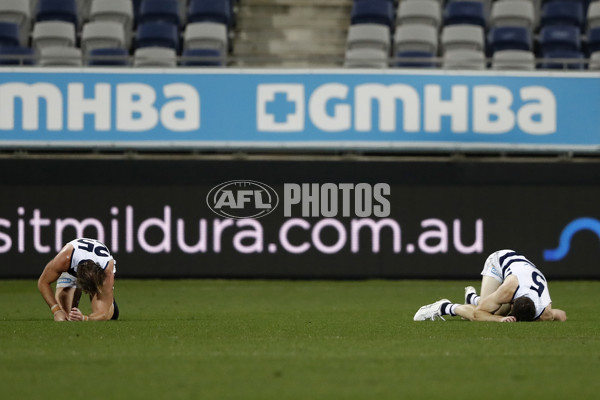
<point x="60" y="56"/>
<point x="18" y="12"/>
<point x="373" y="36"/>
<point x="160" y="57"/>
<point x="513" y="60"/>
<point x="120" y="11"/>
<point x="595" y="61"/>
<point x="593" y="15"/>
<point x="513" y="13"/>
<point x="462" y="37"/>
<point x="464" y="59"/>
<point x="366" y="58"/>
<point x="102" y="34"/>
<point x="414" y="37"/>
<point x="419" y="12"/>
<point x="52" y="34"/>
<point x="206" y="35"/>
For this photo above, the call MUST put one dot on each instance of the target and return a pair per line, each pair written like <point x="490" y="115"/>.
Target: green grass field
<point x="208" y="339"/>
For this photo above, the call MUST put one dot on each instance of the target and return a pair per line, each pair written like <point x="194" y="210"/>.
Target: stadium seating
<point x="210" y="11"/>
<point x="464" y="12"/>
<point x="419" y="12"/>
<point x="468" y="59"/>
<point x="553" y="38"/>
<point x="52" y="34"/>
<point x="113" y="10"/>
<point x="512" y="13"/>
<point x="160" y="57"/>
<point x="159" y="11"/>
<point x="595" y="61"/>
<point x="157" y="34"/>
<point x="544" y="27"/>
<point x="18" y="12"/>
<point x="9" y="34"/>
<point x="16" y="55"/>
<point x="593" y="40"/>
<point x="108" y="57"/>
<point x="562" y="13"/>
<point x="414" y="59"/>
<point x="60" y="56"/>
<point x="206" y="35"/>
<point x="366" y="58"/>
<point x="370" y="36"/>
<point x="593" y="15"/>
<point x="102" y="34"/>
<point x="415" y="37"/>
<point x="57" y="10"/>
<point x="373" y="12"/>
<point x="513" y="60"/>
<point x="120" y="11"/>
<point x="202" y="58"/>
<point x="563" y="59"/>
<point x="509" y="38"/>
<point x="462" y="37"/>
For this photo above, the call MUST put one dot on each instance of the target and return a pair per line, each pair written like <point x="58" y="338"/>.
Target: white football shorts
<point x="492" y="267"/>
<point x="66" y="280"/>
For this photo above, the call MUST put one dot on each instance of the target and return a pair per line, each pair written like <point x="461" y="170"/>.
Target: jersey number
<point x="539" y="280"/>
<point x="90" y="247"/>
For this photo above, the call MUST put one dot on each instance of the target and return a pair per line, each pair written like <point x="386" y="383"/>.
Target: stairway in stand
<point x="291" y="33"/>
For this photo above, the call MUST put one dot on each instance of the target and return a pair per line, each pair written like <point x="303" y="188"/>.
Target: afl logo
<point x="242" y="199"/>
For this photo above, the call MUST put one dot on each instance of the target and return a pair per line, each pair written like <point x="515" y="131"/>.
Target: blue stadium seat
<point x="202" y="58"/>
<point x="210" y="11"/>
<point x="414" y="63"/>
<point x="593" y="38"/>
<point x="108" y="57"/>
<point x="16" y="55"/>
<point x="464" y="12"/>
<point x="373" y="12"/>
<point x="159" y="10"/>
<point x="57" y="10"/>
<point x="571" y="58"/>
<point x="509" y="38"/>
<point x="559" y="37"/>
<point x="563" y="13"/>
<point x="9" y="34"/>
<point x="157" y="34"/>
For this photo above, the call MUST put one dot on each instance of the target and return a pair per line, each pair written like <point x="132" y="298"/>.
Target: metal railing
<point x="550" y="64"/>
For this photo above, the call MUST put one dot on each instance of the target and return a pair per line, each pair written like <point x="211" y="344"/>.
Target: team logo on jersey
<point x="242" y="199"/>
<point x="564" y="242"/>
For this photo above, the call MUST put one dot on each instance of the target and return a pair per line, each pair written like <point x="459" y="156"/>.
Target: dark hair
<point x="523" y="309"/>
<point x="90" y="277"/>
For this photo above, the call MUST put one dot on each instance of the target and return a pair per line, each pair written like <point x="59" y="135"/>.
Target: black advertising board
<point x="179" y="218"/>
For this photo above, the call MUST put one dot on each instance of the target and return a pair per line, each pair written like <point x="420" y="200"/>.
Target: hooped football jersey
<point x="90" y="249"/>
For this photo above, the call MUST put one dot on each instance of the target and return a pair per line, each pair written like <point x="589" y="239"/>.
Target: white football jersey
<point x="89" y="249"/>
<point x="532" y="282"/>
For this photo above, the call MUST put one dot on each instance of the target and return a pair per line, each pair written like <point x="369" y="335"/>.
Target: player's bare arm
<point x="59" y="264"/>
<point x="492" y="303"/>
<point x="553" y="314"/>
<point x="102" y="303"/>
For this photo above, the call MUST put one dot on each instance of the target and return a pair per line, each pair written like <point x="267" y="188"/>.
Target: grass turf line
<point x="210" y="339"/>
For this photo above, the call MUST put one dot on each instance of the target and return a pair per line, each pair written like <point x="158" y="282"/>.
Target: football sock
<point x="449" y="309"/>
<point x="472" y="298"/>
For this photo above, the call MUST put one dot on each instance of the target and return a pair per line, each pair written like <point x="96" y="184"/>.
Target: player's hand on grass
<point x="510" y="318"/>
<point x="60" y="315"/>
<point x="75" y="314"/>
